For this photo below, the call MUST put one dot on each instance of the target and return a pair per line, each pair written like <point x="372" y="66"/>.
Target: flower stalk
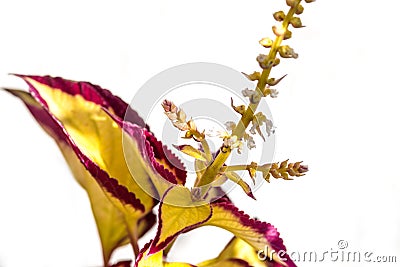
<point x="284" y="169"/>
<point x="178" y="118"/>
<point x="214" y="168"/>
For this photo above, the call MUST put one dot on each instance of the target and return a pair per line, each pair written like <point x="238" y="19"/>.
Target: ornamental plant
<point x="127" y="180"/>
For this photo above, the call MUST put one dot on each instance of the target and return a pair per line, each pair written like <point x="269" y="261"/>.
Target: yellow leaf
<point x="236" y="253"/>
<point x="156" y="260"/>
<point x="113" y="218"/>
<point x="223" y="214"/>
<point x="77" y="116"/>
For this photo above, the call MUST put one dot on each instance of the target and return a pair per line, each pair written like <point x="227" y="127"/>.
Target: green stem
<point x="243" y="167"/>
<point x="235" y="168"/>
<point x="215" y="167"/>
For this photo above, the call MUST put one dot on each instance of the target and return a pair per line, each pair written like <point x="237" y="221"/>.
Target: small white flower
<point x="233" y="142"/>
<point x="269" y="127"/>
<point x="274" y="93"/>
<point x="261" y="58"/>
<point x="258" y="121"/>
<point x="217" y="133"/>
<point x="253" y="96"/>
<point x="248" y="93"/>
<point x="251" y="144"/>
<point x="230" y="125"/>
<point x="253" y="129"/>
<point x="250" y="141"/>
<point x="229" y="141"/>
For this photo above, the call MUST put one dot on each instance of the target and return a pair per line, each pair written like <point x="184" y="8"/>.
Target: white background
<point x="337" y="110"/>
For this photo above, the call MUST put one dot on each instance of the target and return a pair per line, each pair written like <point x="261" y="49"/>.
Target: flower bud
<point x="192" y="125"/>
<point x="275" y="173"/>
<point x="286" y="51"/>
<point x="255" y="98"/>
<point x="276" y="62"/>
<point x="181" y="116"/>
<point x="287" y="35"/>
<point x="291" y="3"/>
<point x="296" y="22"/>
<point x="278" y="30"/>
<point x="169" y="106"/>
<point x="266" y="42"/>
<point x="261" y="58"/>
<point x="264" y="62"/>
<point x="188" y="135"/>
<point x="250" y="140"/>
<point x="284" y="164"/>
<point x="303" y="168"/>
<point x="273" y="93"/>
<point x="299" y="9"/>
<point x="181" y="125"/>
<point x="252" y="169"/>
<point x="279" y="16"/>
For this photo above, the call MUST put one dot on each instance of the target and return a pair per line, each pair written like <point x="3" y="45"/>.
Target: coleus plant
<point x="88" y="123"/>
